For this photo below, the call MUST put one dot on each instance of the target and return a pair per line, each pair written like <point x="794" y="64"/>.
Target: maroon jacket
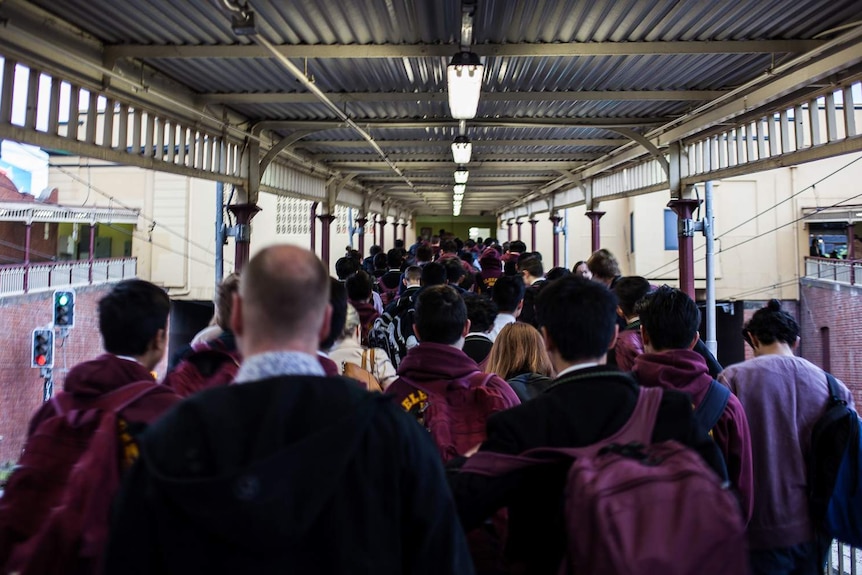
<point x="106" y="373"/>
<point x="686" y="371"/>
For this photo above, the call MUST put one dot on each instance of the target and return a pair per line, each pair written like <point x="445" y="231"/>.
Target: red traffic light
<point x="41" y="360"/>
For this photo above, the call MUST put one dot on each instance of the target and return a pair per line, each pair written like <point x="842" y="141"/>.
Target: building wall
<point x="20" y="385"/>
<point x="43" y="242"/>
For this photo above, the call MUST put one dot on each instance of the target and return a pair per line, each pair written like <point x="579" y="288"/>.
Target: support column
<point x="382" y="241"/>
<point x="394" y="232"/>
<point x="684" y="209"/>
<point x="533" y="223"/>
<point x="596" y="241"/>
<point x="509" y="226"/>
<point x="519" y="224"/>
<point x="92" y="252"/>
<point x="28" y="228"/>
<point x="360" y="222"/>
<point x="312" y="222"/>
<point x="325" y="225"/>
<point x="243" y="213"/>
<point x="404" y="233"/>
<point x="555" y="221"/>
<point x="851" y="252"/>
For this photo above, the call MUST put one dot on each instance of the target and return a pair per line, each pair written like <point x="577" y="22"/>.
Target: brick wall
<point x="12" y="240"/>
<point x="20" y="385"/>
<point x="838" y="308"/>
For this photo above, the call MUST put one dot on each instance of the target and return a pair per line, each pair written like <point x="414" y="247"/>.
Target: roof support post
<point x="595" y="229"/>
<point x="684" y="209"/>
<point x="519" y="223"/>
<point x="533" y="222"/>
<point x="555" y="221"/>
<point x="243" y="213"/>
<point x="404" y="231"/>
<point x="509" y="229"/>
<point x="28" y="228"/>
<point x="360" y="225"/>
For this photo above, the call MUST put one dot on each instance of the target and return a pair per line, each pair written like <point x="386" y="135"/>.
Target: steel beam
<point x="422" y="124"/>
<point x="563" y="142"/>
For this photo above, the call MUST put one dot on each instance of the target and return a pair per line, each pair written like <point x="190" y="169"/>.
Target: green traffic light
<point x="63" y="299"/>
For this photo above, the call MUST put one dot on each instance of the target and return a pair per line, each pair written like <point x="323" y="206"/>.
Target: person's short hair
<point x="518" y="349"/>
<point x="517" y="246"/>
<point x="433" y="274"/>
<point x="532" y="265"/>
<point x="580" y="316"/>
<point x="399" y="244"/>
<point x="346" y="267"/>
<point x="224" y="300"/>
<point x="603" y="264"/>
<point x="374" y="250"/>
<point x="770" y="324"/>
<point x="338" y="301"/>
<point x="413" y="274"/>
<point x="525" y="255"/>
<point x="448" y="246"/>
<point x="354" y="254"/>
<point x="556" y="273"/>
<point x="424" y="253"/>
<point x="359" y="286"/>
<point x="454" y="270"/>
<point x="440" y="315"/>
<point x="480" y="311"/>
<point x="131" y="315"/>
<point x="669" y="317"/>
<point x="284" y="290"/>
<point x="508" y="292"/>
<point x="393" y="258"/>
<point x="380" y="261"/>
<point x="629" y="290"/>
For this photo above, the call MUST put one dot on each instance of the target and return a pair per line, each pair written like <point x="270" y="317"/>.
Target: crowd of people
<point x="421" y="413"/>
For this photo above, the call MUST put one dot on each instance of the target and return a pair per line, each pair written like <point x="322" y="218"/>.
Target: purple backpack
<point x="638" y="509"/>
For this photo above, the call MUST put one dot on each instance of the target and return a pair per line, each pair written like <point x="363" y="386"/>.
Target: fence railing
<point x="16" y="279"/>
<point x="844" y="560"/>
<point x="841" y="271"/>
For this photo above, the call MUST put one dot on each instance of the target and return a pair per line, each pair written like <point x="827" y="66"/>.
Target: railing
<point x="841" y="271"/>
<point x="844" y="560"/>
<point x="18" y="279"/>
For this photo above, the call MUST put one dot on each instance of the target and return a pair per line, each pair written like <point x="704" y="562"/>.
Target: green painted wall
<point x="460" y="226"/>
<point x="119" y="234"/>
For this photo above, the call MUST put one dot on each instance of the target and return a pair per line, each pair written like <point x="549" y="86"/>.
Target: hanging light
<point x="462" y="149"/>
<point x="464" y="79"/>
<point x="459" y="189"/>
<point x="461" y="175"/>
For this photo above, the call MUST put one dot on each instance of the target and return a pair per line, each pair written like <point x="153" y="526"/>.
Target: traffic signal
<point x="64" y="308"/>
<point x="43" y="348"/>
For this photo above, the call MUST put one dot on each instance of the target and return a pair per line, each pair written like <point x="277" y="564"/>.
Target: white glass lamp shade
<point x="461" y="176"/>
<point x="462" y="149"/>
<point x="464" y="80"/>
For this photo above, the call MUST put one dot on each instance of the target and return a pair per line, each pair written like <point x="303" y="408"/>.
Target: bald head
<point x="284" y="294"/>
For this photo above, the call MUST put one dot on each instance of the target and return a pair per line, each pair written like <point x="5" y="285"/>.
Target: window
<point x="671" y="237"/>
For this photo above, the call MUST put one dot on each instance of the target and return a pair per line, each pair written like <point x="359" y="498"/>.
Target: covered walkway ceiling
<point x="573" y="91"/>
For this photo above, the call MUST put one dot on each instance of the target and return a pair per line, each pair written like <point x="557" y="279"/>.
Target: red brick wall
<point x="20" y="385"/>
<point x="839" y="308"/>
<point x="12" y="240"/>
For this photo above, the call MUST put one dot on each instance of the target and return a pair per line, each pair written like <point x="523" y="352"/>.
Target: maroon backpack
<point x="456" y="418"/>
<point x="639" y="509"/>
<point x="54" y="514"/>
<point x="206" y="366"/>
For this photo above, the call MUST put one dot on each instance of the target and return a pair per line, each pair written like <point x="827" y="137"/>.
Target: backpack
<point x="206" y="366"/>
<point x="388" y="331"/>
<point x="835" y="469"/>
<point x="637" y="508"/>
<point x="361" y="373"/>
<point x="387" y="294"/>
<point x="456" y="419"/>
<point x="54" y="515"/>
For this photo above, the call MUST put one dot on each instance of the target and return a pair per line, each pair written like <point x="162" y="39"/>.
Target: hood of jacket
<point x="257" y="463"/>
<point x="103" y="375"/>
<point x="437" y="365"/>
<point x="680" y="369"/>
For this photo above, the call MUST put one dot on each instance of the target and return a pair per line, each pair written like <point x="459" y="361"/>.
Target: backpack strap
<point x="115" y="401"/>
<point x="710" y="409"/>
<point x="482" y="379"/>
<point x="834" y="390"/>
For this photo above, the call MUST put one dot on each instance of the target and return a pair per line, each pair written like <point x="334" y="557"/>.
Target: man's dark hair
<point x="532" y="265"/>
<point x="508" y="292"/>
<point x="629" y="290"/>
<point x="413" y="273"/>
<point x="354" y="254"/>
<point x="556" y="273"/>
<point x="393" y="258"/>
<point x="131" y="315"/>
<point x="359" y="286"/>
<point x="424" y="253"/>
<point x="433" y="274"/>
<point x="380" y="261"/>
<point x="454" y="270"/>
<point x="525" y="255"/>
<point x="603" y="264"/>
<point x="770" y="324"/>
<point x="440" y="315"/>
<point x="346" y="267"/>
<point x="448" y="246"/>
<point x="517" y="246"/>
<point x="399" y="244"/>
<point x="374" y="250"/>
<point x="669" y="317"/>
<point x="338" y="301"/>
<point x="480" y="311"/>
<point x="580" y="316"/>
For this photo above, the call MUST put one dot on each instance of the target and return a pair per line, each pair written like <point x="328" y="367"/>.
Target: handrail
<point x="16" y="279"/>
<point x="834" y="270"/>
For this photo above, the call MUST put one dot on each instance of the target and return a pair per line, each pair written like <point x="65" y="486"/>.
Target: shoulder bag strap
<point x="710" y="409"/>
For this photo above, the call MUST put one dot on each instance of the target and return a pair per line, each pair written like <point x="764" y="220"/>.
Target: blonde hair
<point x="519" y="348"/>
<point x="350" y="323"/>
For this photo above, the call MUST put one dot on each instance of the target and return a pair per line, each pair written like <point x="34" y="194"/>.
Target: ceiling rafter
<point x="562" y="142"/>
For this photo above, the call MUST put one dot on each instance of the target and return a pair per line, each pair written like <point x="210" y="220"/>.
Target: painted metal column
<point x="555" y="220"/>
<point x="509" y="226"/>
<point x="404" y="233"/>
<point x="312" y="220"/>
<point x="709" y="232"/>
<point x="684" y="209"/>
<point x="851" y="252"/>
<point x="92" y="252"/>
<point x="325" y="225"/>
<point x="219" y="233"/>
<point x="394" y="232"/>
<point x="596" y="236"/>
<point x="382" y="241"/>
<point x="360" y="244"/>
<point x="533" y="223"/>
<point x="519" y="229"/>
<point x="28" y="228"/>
<point x="244" y="213"/>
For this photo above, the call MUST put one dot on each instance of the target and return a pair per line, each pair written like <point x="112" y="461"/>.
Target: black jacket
<point x="292" y="474"/>
<point x="529" y="385"/>
<point x="579" y="409"/>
